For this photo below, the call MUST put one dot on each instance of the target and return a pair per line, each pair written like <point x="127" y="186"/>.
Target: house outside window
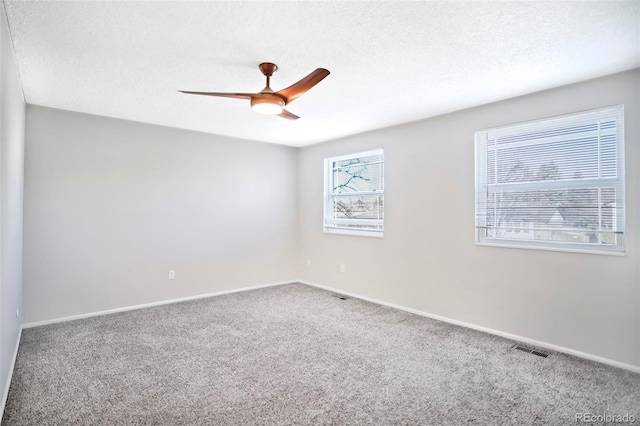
<point x="555" y="184"/>
<point x="354" y="194"/>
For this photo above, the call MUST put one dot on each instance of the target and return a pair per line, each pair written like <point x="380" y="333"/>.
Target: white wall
<point x="12" y="119"/>
<point x="112" y="205"/>
<point x="427" y="259"/>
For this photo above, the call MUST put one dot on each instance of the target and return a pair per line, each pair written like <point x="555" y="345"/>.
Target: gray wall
<point x="427" y="259"/>
<point x="12" y="118"/>
<point x="112" y="205"/>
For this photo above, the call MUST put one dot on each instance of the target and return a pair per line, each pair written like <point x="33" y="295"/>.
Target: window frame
<point x="331" y="224"/>
<point x="482" y="188"/>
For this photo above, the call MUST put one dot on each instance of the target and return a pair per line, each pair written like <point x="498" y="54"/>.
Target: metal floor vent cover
<point x="340" y="296"/>
<point x="530" y="351"/>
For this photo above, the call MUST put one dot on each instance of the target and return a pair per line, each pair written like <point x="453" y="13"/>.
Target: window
<point x="556" y="183"/>
<point x="354" y="194"/>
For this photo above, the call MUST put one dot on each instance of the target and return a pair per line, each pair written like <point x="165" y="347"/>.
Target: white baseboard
<point x="521" y="339"/>
<point x="149" y="305"/>
<point x="5" y="390"/>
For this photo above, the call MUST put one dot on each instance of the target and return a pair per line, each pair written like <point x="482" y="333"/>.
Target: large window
<point x="556" y="183"/>
<point x="354" y="194"/>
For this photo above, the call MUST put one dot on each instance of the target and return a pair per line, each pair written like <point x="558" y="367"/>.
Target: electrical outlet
<point x="172" y="274"/>
<point x="343" y="268"/>
<point x="308" y="262"/>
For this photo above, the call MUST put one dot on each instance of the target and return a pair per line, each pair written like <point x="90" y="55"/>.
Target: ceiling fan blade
<point x="286" y="114"/>
<point x="222" y="94"/>
<point x="292" y="92"/>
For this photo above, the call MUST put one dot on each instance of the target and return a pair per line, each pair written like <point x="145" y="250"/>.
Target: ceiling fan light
<point x="269" y="106"/>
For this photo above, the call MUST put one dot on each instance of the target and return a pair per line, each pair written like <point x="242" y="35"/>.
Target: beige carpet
<point x="294" y="354"/>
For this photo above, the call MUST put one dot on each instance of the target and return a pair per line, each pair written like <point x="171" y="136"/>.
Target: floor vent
<point x="340" y="296"/>
<point x="530" y="351"/>
<point x="542" y="354"/>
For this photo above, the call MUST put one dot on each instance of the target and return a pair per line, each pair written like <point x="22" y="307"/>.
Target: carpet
<point x="295" y="354"/>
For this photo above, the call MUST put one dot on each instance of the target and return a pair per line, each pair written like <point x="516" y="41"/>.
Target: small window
<point x="354" y="194"/>
<point x="555" y="184"/>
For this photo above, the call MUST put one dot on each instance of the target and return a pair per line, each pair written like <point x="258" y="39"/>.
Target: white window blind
<point x="354" y="194"/>
<point x="556" y="183"/>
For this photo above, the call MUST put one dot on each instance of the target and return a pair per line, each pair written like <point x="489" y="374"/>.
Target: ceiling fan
<point x="269" y="102"/>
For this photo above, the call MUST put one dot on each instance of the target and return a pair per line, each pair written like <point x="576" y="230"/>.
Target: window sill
<point x="547" y="248"/>
<point x="353" y="232"/>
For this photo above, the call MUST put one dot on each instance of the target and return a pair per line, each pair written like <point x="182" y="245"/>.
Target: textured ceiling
<point x="390" y="62"/>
